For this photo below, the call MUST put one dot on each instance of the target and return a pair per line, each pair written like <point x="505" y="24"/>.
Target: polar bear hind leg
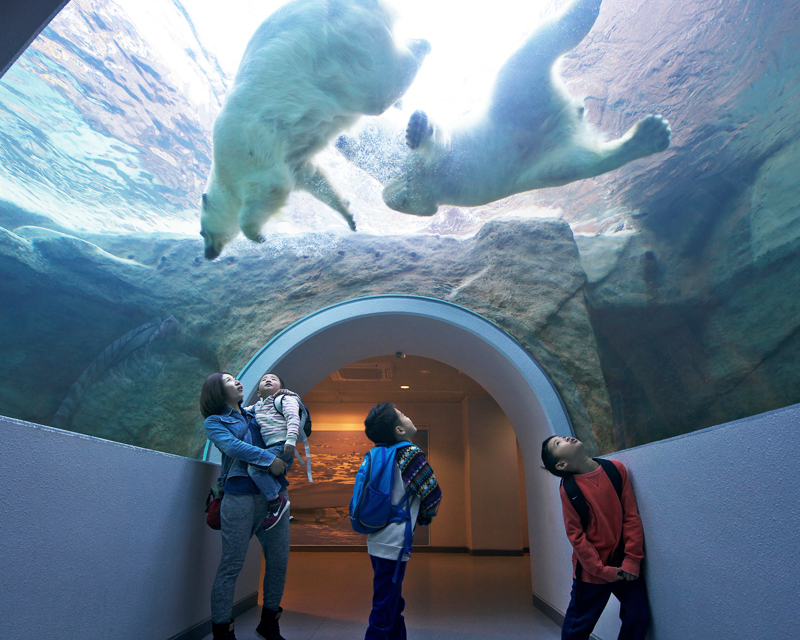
<point x="314" y="180"/>
<point x="394" y="76"/>
<point x="585" y="156"/>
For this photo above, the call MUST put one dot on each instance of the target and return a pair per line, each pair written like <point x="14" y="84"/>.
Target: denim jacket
<point x="239" y="444"/>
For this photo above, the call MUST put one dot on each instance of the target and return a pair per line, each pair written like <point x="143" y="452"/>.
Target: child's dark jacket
<point x="606" y="524"/>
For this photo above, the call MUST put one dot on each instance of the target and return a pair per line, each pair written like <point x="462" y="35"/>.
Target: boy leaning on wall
<point x="604" y="528"/>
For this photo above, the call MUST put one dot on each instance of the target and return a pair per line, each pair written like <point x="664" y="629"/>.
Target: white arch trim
<point x="333" y="337"/>
<point x="336" y="336"/>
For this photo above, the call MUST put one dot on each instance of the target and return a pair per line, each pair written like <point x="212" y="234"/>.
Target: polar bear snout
<point x="210" y="252"/>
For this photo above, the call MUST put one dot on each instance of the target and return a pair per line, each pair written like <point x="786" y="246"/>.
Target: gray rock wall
<point x="98" y="347"/>
<point x="691" y="340"/>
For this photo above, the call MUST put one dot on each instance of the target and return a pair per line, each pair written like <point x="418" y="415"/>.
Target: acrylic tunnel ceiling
<point x="106" y="120"/>
<point x="612" y="183"/>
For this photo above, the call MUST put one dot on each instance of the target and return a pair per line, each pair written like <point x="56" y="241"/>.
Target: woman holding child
<point x="245" y="511"/>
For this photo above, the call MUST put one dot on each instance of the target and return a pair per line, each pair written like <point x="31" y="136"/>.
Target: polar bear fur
<point x="309" y="71"/>
<point x="532" y="135"/>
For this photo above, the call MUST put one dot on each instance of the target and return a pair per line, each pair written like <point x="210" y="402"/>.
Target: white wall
<point x="721" y="521"/>
<point x="103" y="540"/>
<point x="446" y="452"/>
<point x="492" y="479"/>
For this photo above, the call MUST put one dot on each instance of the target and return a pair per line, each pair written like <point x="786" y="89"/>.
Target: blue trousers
<point x="269" y="485"/>
<point x="386" y="620"/>
<point x="588" y="602"/>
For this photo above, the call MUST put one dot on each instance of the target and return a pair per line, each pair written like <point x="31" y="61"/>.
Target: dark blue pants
<point x="588" y="602"/>
<point x="386" y="620"/>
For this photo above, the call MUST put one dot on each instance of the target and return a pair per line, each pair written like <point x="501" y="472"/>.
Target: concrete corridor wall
<point x="721" y="516"/>
<point x="104" y="540"/>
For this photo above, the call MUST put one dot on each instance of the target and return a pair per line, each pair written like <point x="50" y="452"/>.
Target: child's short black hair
<point x="380" y="423"/>
<point x="549" y="460"/>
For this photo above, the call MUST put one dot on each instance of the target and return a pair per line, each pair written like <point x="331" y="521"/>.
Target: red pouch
<point x="213" y="503"/>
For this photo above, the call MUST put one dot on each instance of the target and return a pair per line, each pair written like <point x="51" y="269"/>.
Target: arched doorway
<point x="336" y="336"/>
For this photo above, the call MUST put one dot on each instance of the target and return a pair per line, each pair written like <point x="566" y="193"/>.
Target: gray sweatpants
<point x="241" y="517"/>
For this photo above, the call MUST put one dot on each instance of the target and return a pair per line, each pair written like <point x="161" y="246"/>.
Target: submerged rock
<point x="524" y="275"/>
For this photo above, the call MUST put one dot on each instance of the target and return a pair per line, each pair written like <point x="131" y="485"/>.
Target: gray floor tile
<point x="448" y="597"/>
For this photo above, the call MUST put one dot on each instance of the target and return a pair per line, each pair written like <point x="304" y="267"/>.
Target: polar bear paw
<point x="350" y="221"/>
<point x="419" y="48"/>
<point x="418" y="130"/>
<point x="253" y="234"/>
<point x="651" y="135"/>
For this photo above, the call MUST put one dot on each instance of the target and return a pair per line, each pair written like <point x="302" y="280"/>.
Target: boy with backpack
<point x="604" y="528"/>
<point x="394" y="485"/>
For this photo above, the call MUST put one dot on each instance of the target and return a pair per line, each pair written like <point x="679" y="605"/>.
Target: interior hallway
<point x="448" y="596"/>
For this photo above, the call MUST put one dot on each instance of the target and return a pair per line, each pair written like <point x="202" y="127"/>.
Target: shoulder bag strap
<point x="618" y="555"/>
<point x="613" y="474"/>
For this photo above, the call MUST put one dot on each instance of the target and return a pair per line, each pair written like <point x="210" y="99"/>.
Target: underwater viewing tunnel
<point x="577" y="218"/>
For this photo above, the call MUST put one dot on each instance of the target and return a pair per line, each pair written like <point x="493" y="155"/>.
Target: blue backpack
<point x="371" y="506"/>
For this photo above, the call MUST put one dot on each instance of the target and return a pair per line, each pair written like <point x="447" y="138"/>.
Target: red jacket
<point x="606" y="525"/>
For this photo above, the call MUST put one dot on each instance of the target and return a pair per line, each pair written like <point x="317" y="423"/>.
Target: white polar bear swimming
<point x="309" y="71"/>
<point x="532" y="135"/>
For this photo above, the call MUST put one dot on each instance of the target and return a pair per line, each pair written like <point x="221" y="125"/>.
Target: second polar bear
<point x="309" y="71"/>
<point x="533" y="134"/>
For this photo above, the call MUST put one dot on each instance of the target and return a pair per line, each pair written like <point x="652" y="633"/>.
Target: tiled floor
<point x="448" y="597"/>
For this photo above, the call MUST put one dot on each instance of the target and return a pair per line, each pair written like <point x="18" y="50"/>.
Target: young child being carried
<point x="279" y="430"/>
<point x="603" y="525"/>
<point x="386" y="425"/>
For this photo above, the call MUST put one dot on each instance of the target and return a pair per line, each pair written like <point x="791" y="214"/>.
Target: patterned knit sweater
<point x="418" y="475"/>
<point x="275" y="427"/>
<point x="411" y="471"/>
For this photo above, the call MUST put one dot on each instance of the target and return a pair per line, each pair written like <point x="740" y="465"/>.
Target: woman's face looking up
<point x="234" y="392"/>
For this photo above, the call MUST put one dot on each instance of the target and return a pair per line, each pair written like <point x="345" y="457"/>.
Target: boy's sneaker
<point x="275" y="510"/>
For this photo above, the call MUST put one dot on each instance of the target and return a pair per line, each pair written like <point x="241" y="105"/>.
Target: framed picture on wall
<point x="319" y="510"/>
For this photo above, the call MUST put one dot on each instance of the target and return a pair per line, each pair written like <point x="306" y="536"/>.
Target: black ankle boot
<point x="223" y="631"/>
<point x="268" y="628"/>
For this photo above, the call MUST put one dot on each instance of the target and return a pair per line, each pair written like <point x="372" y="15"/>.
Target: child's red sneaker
<point x="275" y="510"/>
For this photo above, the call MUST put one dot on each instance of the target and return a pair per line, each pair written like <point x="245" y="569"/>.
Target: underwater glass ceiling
<point x="613" y="183"/>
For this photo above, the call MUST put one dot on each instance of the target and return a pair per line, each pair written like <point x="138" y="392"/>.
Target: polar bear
<point x="309" y="71"/>
<point x="532" y="134"/>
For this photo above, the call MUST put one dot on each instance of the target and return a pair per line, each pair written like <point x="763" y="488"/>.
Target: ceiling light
<point x="404" y="386"/>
